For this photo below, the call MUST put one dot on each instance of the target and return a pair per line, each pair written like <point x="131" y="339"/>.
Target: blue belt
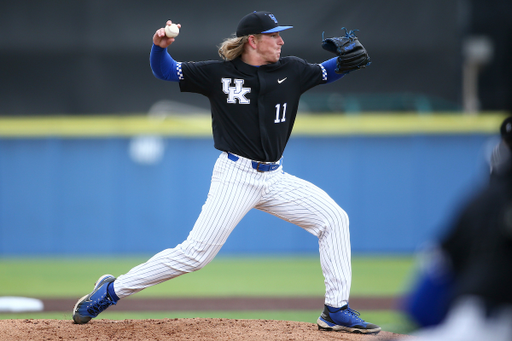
<point x="259" y="166"/>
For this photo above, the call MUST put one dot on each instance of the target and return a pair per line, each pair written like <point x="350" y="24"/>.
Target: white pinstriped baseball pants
<point x="235" y="189"/>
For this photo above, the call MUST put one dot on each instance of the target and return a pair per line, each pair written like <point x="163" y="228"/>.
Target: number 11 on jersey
<point x="278" y="113"/>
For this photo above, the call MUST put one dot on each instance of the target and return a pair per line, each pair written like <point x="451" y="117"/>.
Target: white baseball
<point x="172" y="30"/>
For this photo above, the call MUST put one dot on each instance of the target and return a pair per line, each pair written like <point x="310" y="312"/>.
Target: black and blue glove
<point x="351" y="53"/>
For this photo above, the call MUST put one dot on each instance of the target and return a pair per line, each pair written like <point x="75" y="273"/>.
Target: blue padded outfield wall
<point x="74" y="185"/>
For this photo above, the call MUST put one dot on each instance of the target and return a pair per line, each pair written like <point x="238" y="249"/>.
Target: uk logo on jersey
<point x="236" y="92"/>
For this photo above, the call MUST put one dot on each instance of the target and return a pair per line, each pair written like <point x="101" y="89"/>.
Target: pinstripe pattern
<point x="235" y="189"/>
<point x="304" y="204"/>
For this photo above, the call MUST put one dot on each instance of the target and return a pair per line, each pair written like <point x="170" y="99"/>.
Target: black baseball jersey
<point x="253" y="108"/>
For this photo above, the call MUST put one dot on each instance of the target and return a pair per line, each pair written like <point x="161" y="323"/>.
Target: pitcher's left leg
<point x="304" y="204"/>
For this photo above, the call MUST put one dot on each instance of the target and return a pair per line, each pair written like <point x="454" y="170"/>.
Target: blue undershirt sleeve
<point x="330" y="66"/>
<point x="162" y="64"/>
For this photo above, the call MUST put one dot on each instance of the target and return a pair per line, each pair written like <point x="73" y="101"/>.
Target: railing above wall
<point x="200" y="125"/>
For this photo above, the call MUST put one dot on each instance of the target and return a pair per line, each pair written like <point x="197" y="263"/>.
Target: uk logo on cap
<point x="272" y="17"/>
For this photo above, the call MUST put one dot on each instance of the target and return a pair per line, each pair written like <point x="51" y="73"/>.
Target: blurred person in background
<point x="463" y="291"/>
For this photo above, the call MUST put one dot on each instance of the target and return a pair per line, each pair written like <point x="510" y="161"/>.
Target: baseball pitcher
<point x="254" y="96"/>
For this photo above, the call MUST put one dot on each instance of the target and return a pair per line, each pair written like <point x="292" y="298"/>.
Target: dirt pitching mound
<point x="177" y="329"/>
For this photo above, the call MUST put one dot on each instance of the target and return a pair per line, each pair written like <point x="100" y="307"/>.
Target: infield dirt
<point x="212" y="329"/>
<point x="178" y="329"/>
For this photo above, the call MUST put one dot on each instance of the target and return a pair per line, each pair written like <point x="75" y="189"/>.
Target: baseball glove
<point x="351" y="53"/>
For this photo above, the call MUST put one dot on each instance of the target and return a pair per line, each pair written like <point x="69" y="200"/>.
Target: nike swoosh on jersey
<point x="281" y="80"/>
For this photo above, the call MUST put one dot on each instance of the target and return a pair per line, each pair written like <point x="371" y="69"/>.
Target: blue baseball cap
<point x="259" y="22"/>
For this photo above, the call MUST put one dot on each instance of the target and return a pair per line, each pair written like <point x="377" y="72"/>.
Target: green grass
<point x="225" y="276"/>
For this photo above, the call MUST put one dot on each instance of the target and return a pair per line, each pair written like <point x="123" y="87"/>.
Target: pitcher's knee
<point x="336" y="219"/>
<point x="336" y="214"/>
<point x="196" y="256"/>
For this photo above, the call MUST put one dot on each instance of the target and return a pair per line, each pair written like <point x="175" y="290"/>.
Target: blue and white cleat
<point x="345" y="319"/>
<point x="93" y="304"/>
